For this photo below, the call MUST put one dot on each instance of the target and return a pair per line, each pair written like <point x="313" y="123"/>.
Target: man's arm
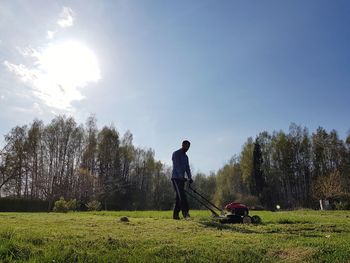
<point x="187" y="169"/>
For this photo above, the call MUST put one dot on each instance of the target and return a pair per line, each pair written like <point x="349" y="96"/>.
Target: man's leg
<point x="183" y="198"/>
<point x="177" y="206"/>
<point x="184" y="204"/>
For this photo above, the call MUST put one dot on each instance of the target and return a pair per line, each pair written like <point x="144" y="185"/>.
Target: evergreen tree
<point x="258" y="180"/>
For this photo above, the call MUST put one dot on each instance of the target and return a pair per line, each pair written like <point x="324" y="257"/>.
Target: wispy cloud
<point x="66" y="17"/>
<point x="23" y="72"/>
<point x="28" y="52"/>
<point x="50" y="93"/>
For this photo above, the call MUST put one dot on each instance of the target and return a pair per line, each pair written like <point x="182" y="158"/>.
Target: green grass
<point x="152" y="236"/>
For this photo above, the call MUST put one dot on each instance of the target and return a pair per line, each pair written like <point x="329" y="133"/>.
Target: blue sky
<point x="212" y="72"/>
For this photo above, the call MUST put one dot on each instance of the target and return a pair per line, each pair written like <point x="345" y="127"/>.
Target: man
<point x="180" y="167"/>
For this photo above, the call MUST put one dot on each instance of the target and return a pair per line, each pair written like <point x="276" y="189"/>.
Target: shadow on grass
<point x="7" y="234"/>
<point x="292" y="222"/>
<point x="229" y="227"/>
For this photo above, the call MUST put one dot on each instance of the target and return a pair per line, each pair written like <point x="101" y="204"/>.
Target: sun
<point x="70" y="62"/>
<point x="64" y="69"/>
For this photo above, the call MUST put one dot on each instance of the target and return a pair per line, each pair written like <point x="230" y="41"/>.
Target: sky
<point x="212" y="72"/>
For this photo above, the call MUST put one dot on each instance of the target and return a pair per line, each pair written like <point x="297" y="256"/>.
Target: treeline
<point x="64" y="159"/>
<point x="75" y="161"/>
<point x="293" y="170"/>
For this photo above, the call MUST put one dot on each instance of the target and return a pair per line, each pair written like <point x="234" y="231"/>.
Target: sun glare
<point x="65" y="68"/>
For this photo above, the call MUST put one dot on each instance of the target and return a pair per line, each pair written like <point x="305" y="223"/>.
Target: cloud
<point x="37" y="108"/>
<point x="34" y="109"/>
<point x="57" y="73"/>
<point x="24" y="73"/>
<point x="50" y="34"/>
<point x="28" y="52"/>
<point x="66" y="17"/>
<point x="51" y="93"/>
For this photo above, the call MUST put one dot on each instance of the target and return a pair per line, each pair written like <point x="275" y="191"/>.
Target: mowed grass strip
<point x="152" y="236"/>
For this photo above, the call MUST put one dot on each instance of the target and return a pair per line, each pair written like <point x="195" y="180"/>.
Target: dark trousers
<point x="181" y="200"/>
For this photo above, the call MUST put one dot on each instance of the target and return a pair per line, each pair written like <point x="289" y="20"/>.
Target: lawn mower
<point x="232" y="214"/>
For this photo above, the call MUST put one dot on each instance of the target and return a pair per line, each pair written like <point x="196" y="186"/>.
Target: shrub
<point x="72" y="205"/>
<point x="61" y="206"/>
<point x="256" y="220"/>
<point x="93" y="206"/>
<point x="342" y="205"/>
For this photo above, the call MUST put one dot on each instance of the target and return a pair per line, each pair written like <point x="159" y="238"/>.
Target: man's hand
<point x="190" y="181"/>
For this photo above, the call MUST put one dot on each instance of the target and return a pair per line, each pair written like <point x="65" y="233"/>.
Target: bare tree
<point x="328" y="187"/>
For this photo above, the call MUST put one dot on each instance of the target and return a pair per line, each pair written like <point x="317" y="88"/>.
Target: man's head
<point x="185" y="145"/>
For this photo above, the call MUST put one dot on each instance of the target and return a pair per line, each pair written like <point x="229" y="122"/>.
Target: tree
<point x="329" y="187"/>
<point x="90" y="146"/>
<point x="33" y="146"/>
<point x="14" y="161"/>
<point x="108" y="161"/>
<point x="127" y="155"/>
<point x="205" y="184"/>
<point x="300" y="176"/>
<point x="87" y="175"/>
<point x="258" y="181"/>
<point x="162" y="189"/>
<point x="271" y="194"/>
<point x="229" y="183"/>
<point x="347" y="163"/>
<point x="246" y="164"/>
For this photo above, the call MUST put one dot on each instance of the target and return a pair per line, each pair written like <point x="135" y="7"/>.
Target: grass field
<point x="152" y="236"/>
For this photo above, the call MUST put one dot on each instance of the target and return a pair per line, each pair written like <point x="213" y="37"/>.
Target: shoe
<point x="176" y="217"/>
<point x="187" y="217"/>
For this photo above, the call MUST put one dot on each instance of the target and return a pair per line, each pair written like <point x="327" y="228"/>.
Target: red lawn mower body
<point x="237" y="208"/>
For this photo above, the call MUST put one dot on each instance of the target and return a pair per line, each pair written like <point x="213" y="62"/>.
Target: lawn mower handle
<point x="194" y="191"/>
